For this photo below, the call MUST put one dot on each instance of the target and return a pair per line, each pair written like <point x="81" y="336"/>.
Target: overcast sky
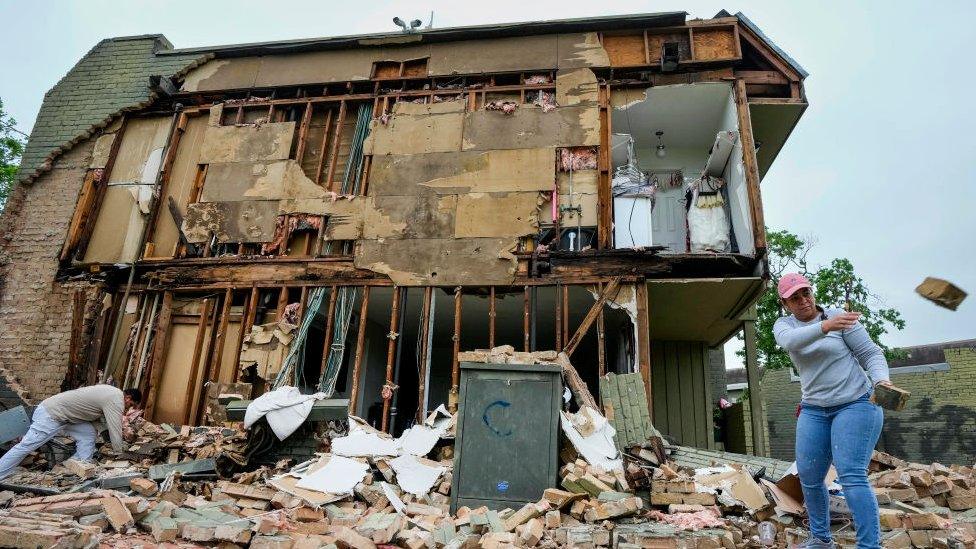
<point x="876" y="169"/>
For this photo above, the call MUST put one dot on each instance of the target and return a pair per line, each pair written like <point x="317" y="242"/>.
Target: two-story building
<point x="398" y="198"/>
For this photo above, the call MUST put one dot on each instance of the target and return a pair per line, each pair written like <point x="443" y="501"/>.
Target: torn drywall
<point x="529" y="127"/>
<point x="436" y="262"/>
<point x="268" y="180"/>
<point x="459" y="172"/>
<point x="478" y="214"/>
<point x="247" y="222"/>
<point x="418" y="128"/>
<point x="577" y="87"/>
<point x="582" y="49"/>
<point x="271" y="141"/>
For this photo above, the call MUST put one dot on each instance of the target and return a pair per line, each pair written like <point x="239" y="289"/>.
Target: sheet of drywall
<point x="580" y="49"/>
<point x="514" y="54"/>
<point x="445" y="262"/>
<point x="531" y="128"/>
<point x="271" y="141"/>
<point x="268" y="180"/>
<point x="577" y="87"/>
<point x="415" y="128"/>
<point x="478" y="214"/>
<point x="248" y="222"/>
<point x="180" y="185"/>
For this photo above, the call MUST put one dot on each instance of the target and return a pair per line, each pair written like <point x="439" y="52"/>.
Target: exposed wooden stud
<point x="601" y="340"/>
<point x="327" y="334"/>
<point x="303" y="132"/>
<point x="491" y="318"/>
<point x="195" y="361"/>
<point x="751" y="167"/>
<point x="76" y="343"/>
<point x="243" y="329"/>
<point x="160" y="348"/>
<point x="360" y="347"/>
<point x="424" y="352"/>
<point x="526" y="314"/>
<point x="165" y="172"/>
<point x="215" y="367"/>
<point x="197" y="410"/>
<point x="100" y="190"/>
<point x="455" y="365"/>
<point x="604" y="195"/>
<point x="252" y="310"/>
<point x="282" y="303"/>
<point x="391" y="337"/>
<point x="302" y="302"/>
<point x="557" y="298"/>
<point x="591" y="315"/>
<point x="336" y="143"/>
<point x="325" y="141"/>
<point x="644" y="343"/>
<point x="565" y="298"/>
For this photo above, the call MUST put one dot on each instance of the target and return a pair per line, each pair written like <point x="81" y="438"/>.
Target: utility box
<point x="506" y="452"/>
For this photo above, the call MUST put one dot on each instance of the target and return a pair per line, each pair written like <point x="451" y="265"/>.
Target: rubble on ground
<point x="369" y="489"/>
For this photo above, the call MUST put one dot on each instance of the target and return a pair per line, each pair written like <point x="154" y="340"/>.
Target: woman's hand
<point x="840" y="322"/>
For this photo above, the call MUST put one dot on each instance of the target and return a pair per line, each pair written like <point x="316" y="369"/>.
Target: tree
<point x="835" y="285"/>
<point x="11" y="148"/>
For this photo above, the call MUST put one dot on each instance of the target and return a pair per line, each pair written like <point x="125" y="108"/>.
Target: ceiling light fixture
<point x="661" y="151"/>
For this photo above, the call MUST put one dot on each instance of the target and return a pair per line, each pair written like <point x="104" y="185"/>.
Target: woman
<point x="839" y="366"/>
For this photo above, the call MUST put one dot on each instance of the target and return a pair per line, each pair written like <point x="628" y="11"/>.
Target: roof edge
<point x="521" y="28"/>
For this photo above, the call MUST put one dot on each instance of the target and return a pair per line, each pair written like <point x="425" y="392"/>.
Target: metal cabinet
<point x="506" y="452"/>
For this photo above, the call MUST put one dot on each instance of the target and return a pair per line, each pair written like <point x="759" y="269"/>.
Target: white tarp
<point x="339" y="476"/>
<point x="597" y="447"/>
<point x="285" y="408"/>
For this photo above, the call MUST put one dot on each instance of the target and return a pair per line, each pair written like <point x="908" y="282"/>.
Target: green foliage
<point x="835" y="285"/>
<point x="11" y="148"/>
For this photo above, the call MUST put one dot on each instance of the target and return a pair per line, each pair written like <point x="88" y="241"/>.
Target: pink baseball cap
<point x="790" y="283"/>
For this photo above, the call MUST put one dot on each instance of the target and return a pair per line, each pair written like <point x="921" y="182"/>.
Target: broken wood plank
<point x="591" y="315"/>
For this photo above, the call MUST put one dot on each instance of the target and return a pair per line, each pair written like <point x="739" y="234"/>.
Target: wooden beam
<point x="756" y="415"/>
<point x="191" y="386"/>
<point x="249" y="300"/>
<point x="601" y="341"/>
<point x="282" y="303"/>
<point x="336" y="142"/>
<point x="604" y="195"/>
<point x="391" y="337"/>
<point x="644" y="343"/>
<point x="763" y="77"/>
<point x="303" y="133"/>
<point x="215" y="366"/>
<point x="591" y="315"/>
<point x="360" y="347"/>
<point x="325" y="141"/>
<point x="424" y="353"/>
<point x="100" y="189"/>
<point x="751" y="166"/>
<point x="559" y="316"/>
<point x="455" y="365"/>
<point x="565" y="322"/>
<point x="526" y="315"/>
<point x="160" y="348"/>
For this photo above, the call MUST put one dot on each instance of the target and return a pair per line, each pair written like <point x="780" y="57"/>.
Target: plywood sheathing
<point x="446" y="262"/>
<point x="714" y="43"/>
<point x="530" y="128"/>
<point x="583" y="49"/>
<point x="478" y="214"/>
<point x="249" y="222"/>
<point x="268" y="180"/>
<point x="416" y="128"/>
<point x="514" y="54"/>
<point x="247" y="143"/>
<point x="577" y="87"/>
<point x="460" y="172"/>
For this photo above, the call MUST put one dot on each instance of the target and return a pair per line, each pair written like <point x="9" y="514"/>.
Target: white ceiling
<point x="689" y="115"/>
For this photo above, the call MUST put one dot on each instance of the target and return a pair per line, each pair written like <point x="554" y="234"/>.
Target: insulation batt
<point x="572" y="159"/>
<point x="688" y="521"/>
<point x="506" y="107"/>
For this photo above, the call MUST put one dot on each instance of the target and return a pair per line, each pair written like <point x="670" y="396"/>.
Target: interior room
<point x="659" y="160"/>
<point x="552" y="314"/>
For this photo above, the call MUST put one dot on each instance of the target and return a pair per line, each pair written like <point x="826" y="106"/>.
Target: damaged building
<point x="356" y="215"/>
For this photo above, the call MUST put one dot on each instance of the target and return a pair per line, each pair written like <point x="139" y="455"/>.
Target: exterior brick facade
<point x="35" y="311"/>
<point x="939" y="423"/>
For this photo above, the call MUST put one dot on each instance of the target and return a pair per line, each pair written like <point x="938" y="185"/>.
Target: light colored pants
<point x="43" y="428"/>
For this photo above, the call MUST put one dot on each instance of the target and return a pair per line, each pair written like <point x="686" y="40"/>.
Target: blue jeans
<point x="845" y="434"/>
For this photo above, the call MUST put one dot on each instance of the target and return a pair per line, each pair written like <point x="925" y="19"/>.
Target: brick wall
<point x="939" y="423"/>
<point x="35" y="311"/>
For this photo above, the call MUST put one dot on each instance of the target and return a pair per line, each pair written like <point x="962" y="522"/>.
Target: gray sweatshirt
<point x="831" y="366"/>
<point x="90" y="404"/>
